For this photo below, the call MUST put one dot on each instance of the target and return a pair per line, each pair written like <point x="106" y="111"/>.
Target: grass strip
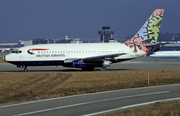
<point x="25" y="86"/>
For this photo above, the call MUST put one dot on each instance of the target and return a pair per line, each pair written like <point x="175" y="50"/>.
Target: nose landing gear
<point x="25" y="67"/>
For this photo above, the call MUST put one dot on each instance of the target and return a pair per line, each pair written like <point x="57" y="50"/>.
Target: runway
<point x="94" y="103"/>
<point x="142" y="63"/>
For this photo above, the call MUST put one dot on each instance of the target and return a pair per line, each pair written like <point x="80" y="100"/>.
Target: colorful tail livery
<point x="147" y="34"/>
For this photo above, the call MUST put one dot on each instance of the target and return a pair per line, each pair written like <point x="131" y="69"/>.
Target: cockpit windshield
<point x="17" y="51"/>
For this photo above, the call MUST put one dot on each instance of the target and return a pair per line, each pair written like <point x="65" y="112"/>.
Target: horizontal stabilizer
<point x="104" y="56"/>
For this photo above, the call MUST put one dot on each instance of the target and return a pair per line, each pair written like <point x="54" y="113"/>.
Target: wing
<point x="94" y="58"/>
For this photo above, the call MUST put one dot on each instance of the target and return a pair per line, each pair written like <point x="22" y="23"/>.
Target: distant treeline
<point x="169" y="37"/>
<point x="164" y="37"/>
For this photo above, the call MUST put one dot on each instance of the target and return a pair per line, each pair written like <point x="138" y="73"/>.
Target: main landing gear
<point x="103" y="68"/>
<point x="88" y="69"/>
<point x="92" y="69"/>
<point x="25" y="69"/>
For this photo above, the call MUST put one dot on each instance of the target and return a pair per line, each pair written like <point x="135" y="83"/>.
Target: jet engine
<point x="79" y="64"/>
<point x="86" y="65"/>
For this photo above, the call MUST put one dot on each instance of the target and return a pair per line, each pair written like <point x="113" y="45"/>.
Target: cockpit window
<point x="16" y="51"/>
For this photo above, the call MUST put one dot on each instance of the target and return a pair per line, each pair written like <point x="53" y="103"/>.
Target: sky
<point x="34" y="19"/>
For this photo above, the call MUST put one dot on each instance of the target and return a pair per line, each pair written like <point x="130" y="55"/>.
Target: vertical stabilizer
<point x="147" y="34"/>
<point x="151" y="28"/>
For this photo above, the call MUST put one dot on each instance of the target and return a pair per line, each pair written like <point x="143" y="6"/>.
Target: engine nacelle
<point x="79" y="64"/>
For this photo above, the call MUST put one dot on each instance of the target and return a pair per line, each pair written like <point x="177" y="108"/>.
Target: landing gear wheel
<point x="25" y="69"/>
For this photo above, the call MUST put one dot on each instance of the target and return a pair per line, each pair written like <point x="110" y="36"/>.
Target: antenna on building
<point x="66" y="38"/>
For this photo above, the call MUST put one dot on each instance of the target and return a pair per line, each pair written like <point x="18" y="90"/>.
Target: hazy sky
<point x="32" y="19"/>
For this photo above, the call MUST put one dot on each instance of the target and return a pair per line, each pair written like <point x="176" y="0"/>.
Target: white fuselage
<point x="61" y="52"/>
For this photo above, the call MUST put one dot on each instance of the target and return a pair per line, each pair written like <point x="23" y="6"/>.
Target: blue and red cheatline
<point x="35" y="49"/>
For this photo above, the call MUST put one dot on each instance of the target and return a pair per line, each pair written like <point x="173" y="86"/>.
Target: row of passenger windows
<point x="75" y="51"/>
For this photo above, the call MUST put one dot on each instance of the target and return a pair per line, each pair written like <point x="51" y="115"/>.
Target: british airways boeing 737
<point x="87" y="56"/>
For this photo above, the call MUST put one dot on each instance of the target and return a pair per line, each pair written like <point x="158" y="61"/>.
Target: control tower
<point x="105" y="34"/>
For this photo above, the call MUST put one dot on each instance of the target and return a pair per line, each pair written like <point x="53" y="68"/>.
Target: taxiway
<point x="142" y="63"/>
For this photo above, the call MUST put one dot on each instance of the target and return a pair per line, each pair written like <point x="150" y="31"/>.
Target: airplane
<point x="88" y="56"/>
<point x="166" y="55"/>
